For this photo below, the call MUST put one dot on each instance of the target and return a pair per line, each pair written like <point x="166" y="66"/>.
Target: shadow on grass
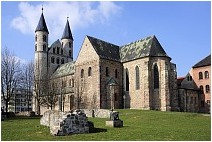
<point x="99" y="130"/>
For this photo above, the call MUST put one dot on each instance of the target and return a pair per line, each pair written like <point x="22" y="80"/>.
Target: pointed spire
<point x="67" y="31"/>
<point x="42" y="24"/>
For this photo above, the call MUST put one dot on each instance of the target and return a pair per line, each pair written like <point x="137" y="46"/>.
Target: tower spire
<point x="67" y="31"/>
<point x="42" y="23"/>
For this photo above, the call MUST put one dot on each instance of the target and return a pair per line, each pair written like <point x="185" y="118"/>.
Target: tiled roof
<point x="42" y="25"/>
<point x="204" y="62"/>
<point x="67" y="32"/>
<point x="104" y="49"/>
<point x="65" y="69"/>
<point x="149" y="46"/>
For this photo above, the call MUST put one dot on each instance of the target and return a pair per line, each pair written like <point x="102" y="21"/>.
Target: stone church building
<point x="138" y="75"/>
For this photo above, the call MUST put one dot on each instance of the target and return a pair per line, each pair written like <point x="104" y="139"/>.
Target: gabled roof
<point x="67" y="32"/>
<point x="189" y="84"/>
<point x="104" y="49"/>
<point x="57" y="43"/>
<point x="42" y="25"/>
<point x="204" y="62"/>
<point x="149" y="46"/>
<point x="65" y="69"/>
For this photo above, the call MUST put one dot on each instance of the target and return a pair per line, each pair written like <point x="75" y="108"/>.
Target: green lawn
<point x="138" y="125"/>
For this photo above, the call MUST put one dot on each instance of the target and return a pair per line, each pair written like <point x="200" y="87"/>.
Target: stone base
<point x="114" y="123"/>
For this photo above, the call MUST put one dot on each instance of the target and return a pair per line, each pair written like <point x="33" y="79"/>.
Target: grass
<point x="138" y="125"/>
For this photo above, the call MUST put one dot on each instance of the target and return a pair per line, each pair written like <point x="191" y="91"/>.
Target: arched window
<point x="44" y="47"/>
<point x="54" y="50"/>
<point x="201" y="89"/>
<point x="58" y="50"/>
<point x="200" y="75"/>
<point x="107" y="71"/>
<point x="58" y="61"/>
<point x="116" y="73"/>
<point x="206" y="74"/>
<point x="137" y="78"/>
<point x="44" y="38"/>
<point x="62" y="61"/>
<point x="72" y="82"/>
<point x="52" y="60"/>
<point x="36" y="37"/>
<point x="89" y="71"/>
<point x="61" y="51"/>
<point x="82" y="73"/>
<point x="127" y="80"/>
<point x="207" y="88"/>
<point x="69" y="82"/>
<point x="35" y="47"/>
<point x="156" y="77"/>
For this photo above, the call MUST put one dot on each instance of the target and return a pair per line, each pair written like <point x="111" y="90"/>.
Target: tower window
<point x="62" y="61"/>
<point x="116" y="73"/>
<point x="44" y="38"/>
<point x="200" y="75"/>
<point x="36" y="38"/>
<point x="54" y="50"/>
<point x="72" y="82"/>
<point x="156" y="77"/>
<point x="52" y="60"/>
<point x="58" y="61"/>
<point x="70" y="45"/>
<point x="137" y="78"/>
<point x="44" y="47"/>
<point x="107" y="71"/>
<point x="89" y="71"/>
<point x="206" y="74"/>
<point x="69" y="53"/>
<point x="35" y="47"/>
<point x="82" y="73"/>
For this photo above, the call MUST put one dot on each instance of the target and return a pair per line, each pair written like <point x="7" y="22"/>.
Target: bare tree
<point x="27" y="81"/>
<point x="10" y="75"/>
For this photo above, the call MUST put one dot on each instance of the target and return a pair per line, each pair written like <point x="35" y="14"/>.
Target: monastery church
<point x="138" y="75"/>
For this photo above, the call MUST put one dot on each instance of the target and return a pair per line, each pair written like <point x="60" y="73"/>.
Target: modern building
<point x="138" y="75"/>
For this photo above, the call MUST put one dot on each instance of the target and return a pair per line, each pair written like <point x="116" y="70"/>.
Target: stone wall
<point x="66" y="123"/>
<point x="100" y="113"/>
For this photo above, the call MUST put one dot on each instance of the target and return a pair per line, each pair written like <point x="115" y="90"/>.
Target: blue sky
<point x="182" y="28"/>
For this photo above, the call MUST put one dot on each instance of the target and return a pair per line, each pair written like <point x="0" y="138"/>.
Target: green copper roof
<point x="42" y="25"/>
<point x="104" y="49"/>
<point x="148" y="46"/>
<point x="65" y="69"/>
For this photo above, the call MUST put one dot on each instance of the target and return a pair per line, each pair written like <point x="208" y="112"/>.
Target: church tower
<point x="41" y="49"/>
<point x="67" y="41"/>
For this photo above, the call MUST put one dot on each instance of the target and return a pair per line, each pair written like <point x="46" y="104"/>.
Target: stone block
<point x="114" y="123"/>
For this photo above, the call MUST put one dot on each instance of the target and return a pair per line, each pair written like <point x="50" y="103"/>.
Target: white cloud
<point x="81" y="14"/>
